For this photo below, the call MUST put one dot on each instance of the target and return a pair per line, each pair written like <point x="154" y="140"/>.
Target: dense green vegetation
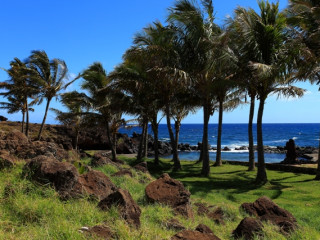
<point x="31" y="211"/>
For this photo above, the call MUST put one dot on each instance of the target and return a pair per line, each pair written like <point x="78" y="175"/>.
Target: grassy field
<point x="31" y="211"/>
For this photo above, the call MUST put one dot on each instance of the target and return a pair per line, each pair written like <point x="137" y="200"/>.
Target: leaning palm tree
<point x="304" y="19"/>
<point x="268" y="38"/>
<point x="50" y="76"/>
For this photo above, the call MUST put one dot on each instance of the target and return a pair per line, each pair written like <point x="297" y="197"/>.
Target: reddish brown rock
<point x="174" y="224"/>
<point x="266" y="210"/>
<point x="217" y="215"/>
<point x="194" y="235"/>
<point x="96" y="184"/>
<point x="142" y="167"/>
<point x="128" y="208"/>
<point x="202" y="209"/>
<point x="167" y="190"/>
<point x="204" y="229"/>
<point x="6" y="160"/>
<point x="248" y="228"/>
<point x="123" y="172"/>
<point x="100" y="231"/>
<point x="62" y="175"/>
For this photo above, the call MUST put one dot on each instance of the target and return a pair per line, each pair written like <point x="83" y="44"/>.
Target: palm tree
<point x="76" y="106"/>
<point x="105" y="109"/>
<point x="304" y="19"/>
<point x="267" y="36"/>
<point x="50" y="76"/>
<point x="18" y="89"/>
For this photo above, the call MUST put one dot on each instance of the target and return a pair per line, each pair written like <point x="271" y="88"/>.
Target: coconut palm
<point x="50" y="76"/>
<point x="304" y="19"/>
<point x="19" y="88"/>
<point x="267" y="38"/>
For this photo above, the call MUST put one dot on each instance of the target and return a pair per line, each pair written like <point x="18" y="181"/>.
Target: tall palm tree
<point x="304" y="19"/>
<point x="268" y="39"/>
<point x="100" y="97"/>
<point x="50" y="76"/>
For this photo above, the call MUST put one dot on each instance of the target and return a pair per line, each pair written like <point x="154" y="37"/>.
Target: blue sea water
<point x="236" y="135"/>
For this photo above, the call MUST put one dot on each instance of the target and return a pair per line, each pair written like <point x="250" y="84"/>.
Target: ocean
<point x="236" y="135"/>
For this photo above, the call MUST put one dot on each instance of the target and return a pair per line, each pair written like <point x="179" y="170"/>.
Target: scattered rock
<point x="142" y="167"/>
<point x="247" y="228"/>
<point x="291" y="154"/>
<point x="167" y="190"/>
<point x="3" y="119"/>
<point x="96" y="184"/>
<point x="100" y="159"/>
<point x="123" y="172"/>
<point x="266" y="210"/>
<point x="128" y="208"/>
<point x="100" y="231"/>
<point x="217" y="215"/>
<point x="194" y="235"/>
<point x="226" y="149"/>
<point x="6" y="160"/>
<point x="174" y="224"/>
<point x="62" y="175"/>
<point x="203" y="229"/>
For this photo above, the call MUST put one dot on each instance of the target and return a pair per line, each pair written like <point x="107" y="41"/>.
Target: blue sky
<point x="82" y="32"/>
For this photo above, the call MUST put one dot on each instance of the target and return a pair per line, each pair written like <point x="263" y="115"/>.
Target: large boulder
<point x="217" y="214"/>
<point x="247" y="228"/>
<point x="96" y="184"/>
<point x="10" y="141"/>
<point x="266" y="210"/>
<point x="194" y="235"/>
<point x="128" y="208"/>
<point x="167" y="190"/>
<point x="142" y="167"/>
<point x="6" y="160"/>
<point x="63" y="176"/>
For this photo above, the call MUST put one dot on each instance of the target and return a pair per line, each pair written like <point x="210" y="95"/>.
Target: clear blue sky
<point x="81" y="32"/>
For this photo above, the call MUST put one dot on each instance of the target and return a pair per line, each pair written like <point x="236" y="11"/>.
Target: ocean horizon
<point x="235" y="135"/>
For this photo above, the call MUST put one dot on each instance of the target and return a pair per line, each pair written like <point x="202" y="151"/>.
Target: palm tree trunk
<point x="318" y="169"/>
<point x="27" y="121"/>
<point x="201" y="153"/>
<point x="155" y="126"/>
<point x="44" y="119"/>
<point x="205" y="156"/>
<point x="176" y="162"/>
<point x="145" y="139"/>
<point x="114" y="145"/>
<point x="218" y="155"/>
<point x="22" y="122"/>
<point x="177" y="125"/>
<point x="113" y="152"/>
<point x="262" y="174"/>
<point x="139" y="155"/>
<point x="250" y="134"/>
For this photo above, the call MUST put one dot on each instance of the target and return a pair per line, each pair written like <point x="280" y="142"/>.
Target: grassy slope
<point x="35" y="212"/>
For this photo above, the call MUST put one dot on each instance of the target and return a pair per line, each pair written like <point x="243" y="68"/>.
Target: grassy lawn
<point x="31" y="211"/>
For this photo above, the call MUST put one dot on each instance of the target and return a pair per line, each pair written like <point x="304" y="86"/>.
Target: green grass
<point x="32" y="211"/>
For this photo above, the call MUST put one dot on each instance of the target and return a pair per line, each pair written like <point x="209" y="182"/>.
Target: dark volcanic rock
<point x="128" y="208"/>
<point x="169" y="191"/>
<point x="62" y="175"/>
<point x="99" y="159"/>
<point x="204" y="229"/>
<point x="143" y="167"/>
<point x="266" y="210"/>
<point x="174" y="224"/>
<point x="122" y="173"/>
<point x="96" y="184"/>
<point x="247" y="228"/>
<point x="3" y="119"/>
<point x="194" y="235"/>
<point x="99" y="231"/>
<point x="291" y="155"/>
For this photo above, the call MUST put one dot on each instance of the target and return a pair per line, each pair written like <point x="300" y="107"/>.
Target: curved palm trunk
<point x="318" y="169"/>
<point x="175" y="158"/>
<point x="145" y="141"/>
<point x="250" y="134"/>
<point x="155" y="129"/>
<point x="113" y="151"/>
<point x="44" y="119"/>
<point x="22" y="122"/>
<point x="205" y="156"/>
<point x="261" y="174"/>
<point x="218" y="155"/>
<point x="27" y="120"/>
<point x="139" y="155"/>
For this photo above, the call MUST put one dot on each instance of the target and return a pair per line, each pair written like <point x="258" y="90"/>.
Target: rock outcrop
<point x="167" y="190"/>
<point x="248" y="228"/>
<point x="266" y="210"/>
<point x="128" y="208"/>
